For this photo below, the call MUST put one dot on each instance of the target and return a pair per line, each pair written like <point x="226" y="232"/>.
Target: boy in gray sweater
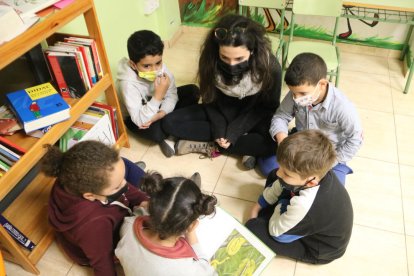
<point x="315" y="103"/>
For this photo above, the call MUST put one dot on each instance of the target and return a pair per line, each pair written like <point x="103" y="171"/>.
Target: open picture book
<point x="231" y="247"/>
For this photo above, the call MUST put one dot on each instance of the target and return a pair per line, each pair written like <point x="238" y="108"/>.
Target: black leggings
<point x="187" y="95"/>
<point x="192" y="123"/>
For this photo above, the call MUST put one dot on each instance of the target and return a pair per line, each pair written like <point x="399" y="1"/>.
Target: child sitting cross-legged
<point x="164" y="242"/>
<point x="304" y="213"/>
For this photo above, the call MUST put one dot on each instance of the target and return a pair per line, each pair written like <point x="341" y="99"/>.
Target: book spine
<point x="16" y="234"/>
<point x="60" y="80"/>
<point x="5" y="167"/>
<point x="97" y="60"/>
<point x="8" y="153"/>
<point x="11" y="145"/>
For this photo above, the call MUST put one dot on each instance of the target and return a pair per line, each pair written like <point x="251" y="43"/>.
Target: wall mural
<point x="204" y="13"/>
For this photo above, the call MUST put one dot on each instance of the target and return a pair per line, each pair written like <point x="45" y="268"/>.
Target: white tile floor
<point x="381" y="188"/>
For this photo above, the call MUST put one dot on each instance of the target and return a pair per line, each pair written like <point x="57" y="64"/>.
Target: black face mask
<point x="230" y="71"/>
<point x="293" y="188"/>
<point x="115" y="196"/>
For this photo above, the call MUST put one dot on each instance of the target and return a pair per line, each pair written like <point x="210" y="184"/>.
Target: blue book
<point x="38" y="106"/>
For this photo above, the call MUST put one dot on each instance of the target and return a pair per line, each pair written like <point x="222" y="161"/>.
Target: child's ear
<point x="133" y="65"/>
<point x="314" y="180"/>
<point x="193" y="225"/>
<point x="89" y="196"/>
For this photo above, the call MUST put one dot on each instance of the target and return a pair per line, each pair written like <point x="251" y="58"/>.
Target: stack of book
<point x="38" y="107"/>
<point x="75" y="65"/>
<point x="99" y="122"/>
<point x="10" y="153"/>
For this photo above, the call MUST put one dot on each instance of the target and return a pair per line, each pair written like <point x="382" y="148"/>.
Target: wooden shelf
<point x="28" y="211"/>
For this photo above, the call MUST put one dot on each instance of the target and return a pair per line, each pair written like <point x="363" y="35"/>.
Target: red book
<point x="57" y="72"/>
<point x="12" y="146"/>
<point x="111" y="112"/>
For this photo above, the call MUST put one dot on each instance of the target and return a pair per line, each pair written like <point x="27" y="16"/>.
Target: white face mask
<point x="308" y="99"/>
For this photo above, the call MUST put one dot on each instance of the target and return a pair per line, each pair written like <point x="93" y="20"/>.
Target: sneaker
<point x="196" y="178"/>
<point x="206" y="148"/>
<point x="141" y="165"/>
<point x="249" y="162"/>
<point x="166" y="149"/>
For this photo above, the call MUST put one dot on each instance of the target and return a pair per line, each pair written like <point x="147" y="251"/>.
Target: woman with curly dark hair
<point x="240" y="83"/>
<point x="94" y="190"/>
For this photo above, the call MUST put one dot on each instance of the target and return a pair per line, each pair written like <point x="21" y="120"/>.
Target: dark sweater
<point x="89" y="230"/>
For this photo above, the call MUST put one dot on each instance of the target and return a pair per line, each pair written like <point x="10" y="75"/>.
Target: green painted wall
<point x="119" y="19"/>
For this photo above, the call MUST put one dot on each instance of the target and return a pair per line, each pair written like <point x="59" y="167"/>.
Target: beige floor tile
<point x="403" y="103"/>
<point x="405" y="133"/>
<point x="368" y="91"/>
<point x="280" y="266"/>
<point x="410" y="254"/>
<point x="370" y="252"/>
<point x="238" y="208"/>
<point x="53" y="262"/>
<point x="399" y="83"/>
<point x="137" y="148"/>
<point x="364" y="63"/>
<point x="407" y="180"/>
<point x="396" y="67"/>
<point x="379" y="136"/>
<point x="239" y="183"/>
<point x="186" y="165"/>
<point x="375" y="192"/>
<point x="77" y="270"/>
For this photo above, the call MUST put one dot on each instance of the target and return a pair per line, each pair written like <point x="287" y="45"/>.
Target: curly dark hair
<point x="83" y="168"/>
<point x="175" y="203"/>
<point x="253" y="37"/>
<point x="144" y="43"/>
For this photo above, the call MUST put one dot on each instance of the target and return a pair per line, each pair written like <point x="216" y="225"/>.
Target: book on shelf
<point x="88" y="127"/>
<point x="89" y="42"/>
<point x="66" y="70"/>
<point x="11" y="25"/>
<point x="80" y="61"/>
<point x="38" y="106"/>
<point x="231" y="247"/>
<point x="11" y="145"/>
<point x="28" y="8"/>
<point x="9" y="154"/>
<point x="16" y="234"/>
<point x="8" y="122"/>
<point x="111" y="111"/>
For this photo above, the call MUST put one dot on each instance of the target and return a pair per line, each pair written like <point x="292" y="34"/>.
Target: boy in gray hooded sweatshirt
<point x="148" y="89"/>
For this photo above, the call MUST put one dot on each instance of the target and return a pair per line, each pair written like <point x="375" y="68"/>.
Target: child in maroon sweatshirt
<point x="89" y="200"/>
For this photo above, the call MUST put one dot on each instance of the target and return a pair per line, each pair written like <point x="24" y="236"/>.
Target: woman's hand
<point x="222" y="142"/>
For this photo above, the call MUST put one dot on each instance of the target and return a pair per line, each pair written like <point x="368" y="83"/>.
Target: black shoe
<point x="166" y="149"/>
<point x="249" y="162"/>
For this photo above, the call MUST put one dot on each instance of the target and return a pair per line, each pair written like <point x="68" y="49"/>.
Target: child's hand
<point x="144" y="204"/>
<point x="161" y="85"/>
<point x="222" y="142"/>
<point x="145" y="125"/>
<point x="280" y="136"/>
<point x="255" y="211"/>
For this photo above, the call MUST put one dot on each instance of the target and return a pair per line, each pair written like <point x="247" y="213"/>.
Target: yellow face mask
<point x="149" y="75"/>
